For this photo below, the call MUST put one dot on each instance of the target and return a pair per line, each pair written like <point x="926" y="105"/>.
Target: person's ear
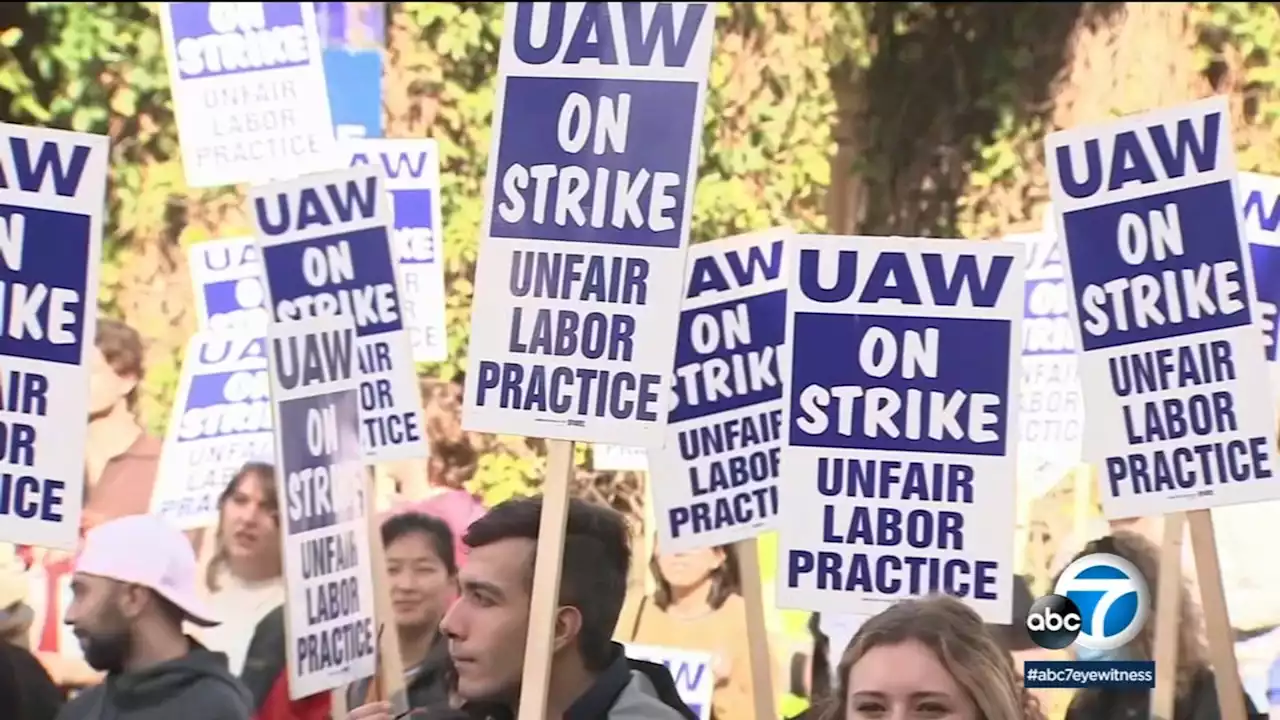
<point x="132" y="600"/>
<point x="568" y="627"/>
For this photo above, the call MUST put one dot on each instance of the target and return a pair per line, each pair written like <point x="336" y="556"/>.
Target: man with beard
<point x="121" y="462"/>
<point x="134" y="585"/>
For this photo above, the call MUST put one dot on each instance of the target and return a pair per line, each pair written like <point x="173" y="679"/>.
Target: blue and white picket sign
<point x="1162" y="308"/>
<point x="328" y="572"/>
<point x="412" y="172"/>
<point x="226" y="279"/>
<point x="1052" y="415"/>
<point x="1261" y="197"/>
<point x="901" y="420"/>
<point x="248" y="90"/>
<point x="715" y="481"/>
<point x="691" y="670"/>
<point x="353" y="39"/>
<point x="325" y="245"/>
<point x="221" y="419"/>
<point x="52" y="188"/>
<point x="586" y="221"/>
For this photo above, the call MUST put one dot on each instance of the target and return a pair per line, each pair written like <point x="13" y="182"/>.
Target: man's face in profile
<point x="487" y="626"/>
<point x="105" y="634"/>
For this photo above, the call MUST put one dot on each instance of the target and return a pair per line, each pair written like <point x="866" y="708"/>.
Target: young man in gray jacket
<point x="134" y="585"/>
<point x="591" y="678"/>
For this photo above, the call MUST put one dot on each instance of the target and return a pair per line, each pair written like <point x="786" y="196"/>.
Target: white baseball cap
<point x="145" y="550"/>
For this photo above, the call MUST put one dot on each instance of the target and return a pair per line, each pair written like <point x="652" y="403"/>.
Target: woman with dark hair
<point x="244" y="585"/>
<point x="1195" y="696"/>
<point x="422" y="574"/>
<point x="697" y="605"/>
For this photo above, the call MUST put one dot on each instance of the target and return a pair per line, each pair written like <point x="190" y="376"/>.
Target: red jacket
<point x="266" y="675"/>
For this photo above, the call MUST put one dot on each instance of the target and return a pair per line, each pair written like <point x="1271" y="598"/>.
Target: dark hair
<point x="597" y="559"/>
<point x="266" y="473"/>
<point x="726" y="580"/>
<point x="435" y="530"/>
<point x="121" y="346"/>
<point x="169" y="610"/>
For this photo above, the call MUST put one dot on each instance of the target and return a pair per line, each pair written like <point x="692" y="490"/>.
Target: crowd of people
<point x="194" y="626"/>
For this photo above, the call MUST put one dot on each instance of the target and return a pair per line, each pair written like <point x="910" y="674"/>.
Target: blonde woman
<point x="928" y="658"/>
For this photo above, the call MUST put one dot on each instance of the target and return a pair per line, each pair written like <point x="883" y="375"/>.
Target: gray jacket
<point x="627" y="690"/>
<point x="196" y="686"/>
<point x="639" y="700"/>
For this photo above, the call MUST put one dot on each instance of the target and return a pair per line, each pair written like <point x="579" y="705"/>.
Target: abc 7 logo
<point x="1115" y="598"/>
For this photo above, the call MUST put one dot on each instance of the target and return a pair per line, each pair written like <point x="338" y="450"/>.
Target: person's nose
<point x="451" y="623"/>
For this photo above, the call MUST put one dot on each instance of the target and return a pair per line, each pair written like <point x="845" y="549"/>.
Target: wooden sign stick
<point x="1222" y="654"/>
<point x="536" y="677"/>
<point x="650" y="538"/>
<point x="1168" y="607"/>
<point x="757" y="632"/>
<point x="388" y="680"/>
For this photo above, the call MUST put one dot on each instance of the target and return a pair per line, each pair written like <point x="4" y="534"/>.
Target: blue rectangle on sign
<point x="217" y="39"/>
<point x="415" y="228"/>
<point x="1266" y="271"/>
<point x="1118" y="301"/>
<point x="43" y="284"/>
<point x="354" y="82"/>
<point x="368" y="295"/>
<point x="220" y="389"/>
<point x="311" y="503"/>
<point x="621" y="180"/>
<point x="836" y="403"/>
<point x="742" y="368"/>
<point x="412" y="208"/>
<point x="1046" y="322"/>
<point x="1119" y="674"/>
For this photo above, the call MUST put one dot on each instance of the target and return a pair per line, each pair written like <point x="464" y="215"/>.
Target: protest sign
<point x="1052" y="414"/>
<point x="353" y="39"/>
<point x="589" y="192"/>
<point x="586" y="223"/>
<point x="412" y="172"/>
<point x="248" y="90"/>
<point x="1162" y="308"/>
<point x="221" y="419"/>
<point x="690" y="669"/>
<point x="52" y="189"/>
<point x="715" y="480"/>
<point x="332" y="638"/>
<point x="325" y="246"/>
<point x="618" y="458"/>
<point x="226" y="279"/>
<point x="1261" y="197"/>
<point x="901" y="421"/>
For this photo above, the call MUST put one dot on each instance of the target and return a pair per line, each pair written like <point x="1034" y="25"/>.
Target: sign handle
<point x="388" y="679"/>
<point x="375" y="692"/>
<point x="549" y="558"/>
<point x="1168" y="607"/>
<point x="757" y="633"/>
<point x="1222" y="655"/>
